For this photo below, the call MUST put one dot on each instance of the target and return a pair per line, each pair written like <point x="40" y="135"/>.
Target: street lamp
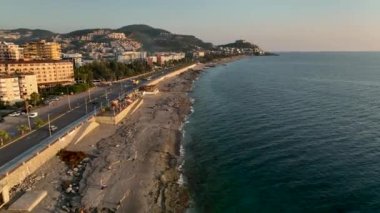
<point x="106" y="97"/>
<point x="85" y="103"/>
<point x="89" y="94"/>
<point x="68" y="97"/>
<point x="27" y="114"/>
<point x="49" y="124"/>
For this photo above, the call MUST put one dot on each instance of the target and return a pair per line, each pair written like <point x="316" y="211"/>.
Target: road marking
<point x="29" y="133"/>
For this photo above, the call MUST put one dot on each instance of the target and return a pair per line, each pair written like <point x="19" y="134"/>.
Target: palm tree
<point x="4" y="136"/>
<point x="35" y="98"/>
<point x="39" y="122"/>
<point x="23" y="129"/>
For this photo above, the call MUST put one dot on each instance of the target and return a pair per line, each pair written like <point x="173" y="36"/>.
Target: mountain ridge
<point x="152" y="39"/>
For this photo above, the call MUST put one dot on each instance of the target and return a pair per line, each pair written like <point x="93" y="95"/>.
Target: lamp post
<point x="68" y="98"/>
<point x="106" y="97"/>
<point x="89" y="95"/>
<point x="85" y="103"/>
<point x="49" y="124"/>
<point x="27" y="115"/>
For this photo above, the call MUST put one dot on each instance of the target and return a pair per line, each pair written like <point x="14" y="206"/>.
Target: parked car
<point x="56" y="98"/>
<point x="47" y="102"/>
<point x="15" y="114"/>
<point x="33" y="114"/>
<point x="53" y="128"/>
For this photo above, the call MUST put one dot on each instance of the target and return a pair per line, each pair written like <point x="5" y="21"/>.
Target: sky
<point x="276" y="25"/>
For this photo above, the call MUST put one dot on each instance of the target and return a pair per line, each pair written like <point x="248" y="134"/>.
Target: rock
<point x="75" y="169"/>
<point x="65" y="208"/>
<point x="70" y="173"/>
<point x="69" y="189"/>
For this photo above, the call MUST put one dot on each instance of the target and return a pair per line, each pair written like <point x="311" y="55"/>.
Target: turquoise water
<point x="294" y="133"/>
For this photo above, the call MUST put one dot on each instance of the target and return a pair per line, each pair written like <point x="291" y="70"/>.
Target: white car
<point x="15" y="114"/>
<point x="33" y="114"/>
<point x="53" y="128"/>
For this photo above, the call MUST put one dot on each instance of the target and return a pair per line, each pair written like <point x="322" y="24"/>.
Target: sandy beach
<point x="131" y="167"/>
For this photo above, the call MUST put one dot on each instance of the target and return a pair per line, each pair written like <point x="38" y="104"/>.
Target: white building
<point x="15" y="88"/>
<point x="116" y="36"/>
<point x="10" y="51"/>
<point x="163" y="58"/>
<point x="152" y="59"/>
<point x="28" y="85"/>
<point x="75" y="57"/>
<point x="199" y="54"/>
<point x="128" y="57"/>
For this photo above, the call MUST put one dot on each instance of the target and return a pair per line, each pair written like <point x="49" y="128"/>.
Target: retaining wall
<point x="172" y="74"/>
<point x="18" y="174"/>
<point x="113" y="120"/>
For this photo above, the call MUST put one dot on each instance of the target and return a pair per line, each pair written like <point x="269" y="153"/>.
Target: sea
<point x="298" y="132"/>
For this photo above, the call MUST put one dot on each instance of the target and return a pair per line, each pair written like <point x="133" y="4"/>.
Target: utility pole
<point x="49" y="124"/>
<point x="89" y="95"/>
<point x="106" y="97"/>
<point x="68" y="98"/>
<point x="27" y="114"/>
<point x="85" y="103"/>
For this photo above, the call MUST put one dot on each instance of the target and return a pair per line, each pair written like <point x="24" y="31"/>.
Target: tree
<point x="4" y="136"/>
<point x="35" y="98"/>
<point x="39" y="122"/>
<point x="23" y="129"/>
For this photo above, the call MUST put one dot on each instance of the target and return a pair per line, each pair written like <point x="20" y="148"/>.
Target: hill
<point x="151" y="39"/>
<point x="154" y="39"/>
<point x="241" y="44"/>
<point x="23" y="35"/>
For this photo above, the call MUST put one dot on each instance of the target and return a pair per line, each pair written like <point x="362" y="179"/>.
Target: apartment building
<point x="163" y="58"/>
<point x="10" y="51"/>
<point x="150" y="59"/>
<point x="42" y="50"/>
<point x="116" y="36"/>
<point x="75" y="57"/>
<point x="129" y="56"/>
<point x="28" y="85"/>
<point x="199" y="54"/>
<point x="9" y="89"/>
<point x="48" y="72"/>
<point x="15" y="88"/>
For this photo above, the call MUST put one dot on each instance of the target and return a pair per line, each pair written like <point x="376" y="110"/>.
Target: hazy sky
<point x="281" y="25"/>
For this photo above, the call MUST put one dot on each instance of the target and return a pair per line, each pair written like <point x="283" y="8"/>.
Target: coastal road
<point x="67" y="117"/>
<point x="64" y="116"/>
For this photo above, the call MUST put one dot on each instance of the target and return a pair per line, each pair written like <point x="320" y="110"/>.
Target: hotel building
<point x="48" y="72"/>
